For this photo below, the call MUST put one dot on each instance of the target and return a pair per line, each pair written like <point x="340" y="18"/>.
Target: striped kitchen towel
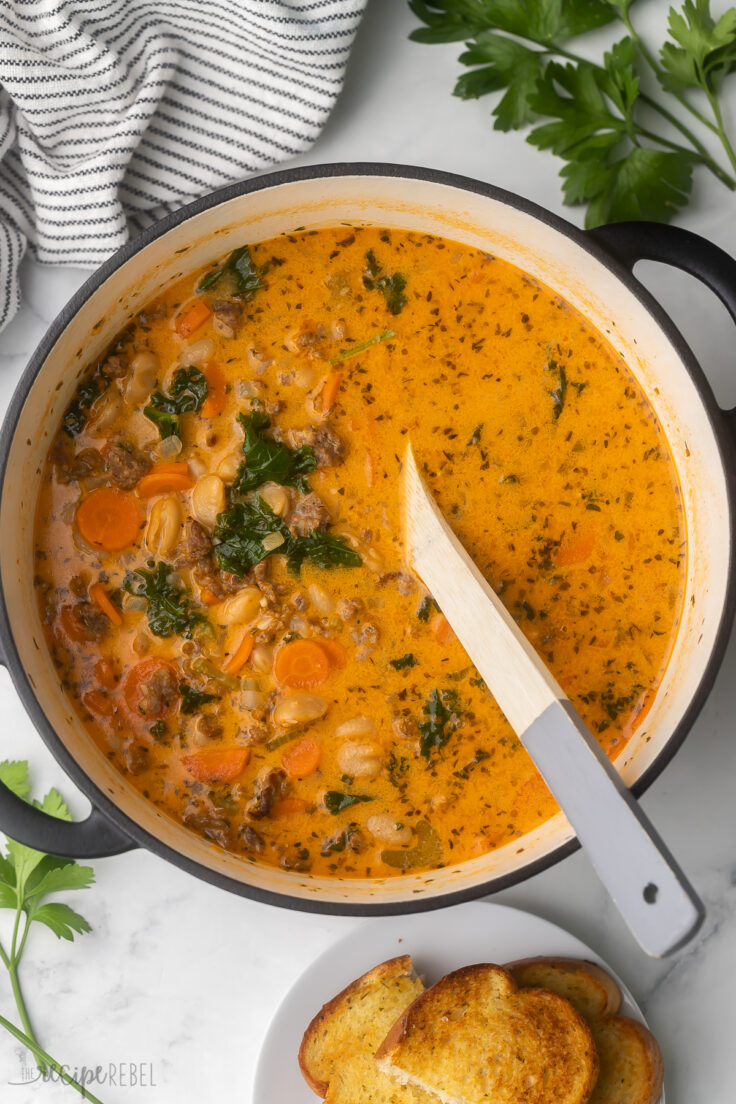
<point x="114" y="112"/>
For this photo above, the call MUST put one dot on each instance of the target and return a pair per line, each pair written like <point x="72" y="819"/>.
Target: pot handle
<point x="629" y="242"/>
<point x="93" y="838"/>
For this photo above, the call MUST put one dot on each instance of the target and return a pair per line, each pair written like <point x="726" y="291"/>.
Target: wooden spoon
<point x="650" y="891"/>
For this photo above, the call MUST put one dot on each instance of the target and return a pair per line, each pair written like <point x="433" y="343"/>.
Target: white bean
<point x="144" y="369"/>
<point x="299" y="709"/>
<point x="198" y="353"/>
<point x="359" y="760"/>
<point x="320" y="599"/>
<point x="356" y="726"/>
<point x="240" y="609"/>
<point x="387" y="829"/>
<point x="208" y="499"/>
<point x="228" y="466"/>
<point x="104" y="412"/>
<point x="261" y="659"/>
<point x="164" y="525"/>
<point x="276" y="497"/>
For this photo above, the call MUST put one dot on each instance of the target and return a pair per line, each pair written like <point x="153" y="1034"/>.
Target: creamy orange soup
<point x="219" y="549"/>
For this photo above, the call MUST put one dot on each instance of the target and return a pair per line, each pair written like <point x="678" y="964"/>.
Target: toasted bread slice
<point x="476" y="1038"/>
<point x="337" y="1052"/>
<point x="631" y="1067"/>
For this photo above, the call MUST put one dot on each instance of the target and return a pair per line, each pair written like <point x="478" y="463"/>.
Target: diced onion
<point x="252" y="699"/>
<point x="169" y="447"/>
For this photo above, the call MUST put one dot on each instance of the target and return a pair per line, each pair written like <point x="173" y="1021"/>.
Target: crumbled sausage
<point x="115" y="366"/>
<point x="296" y="858"/>
<point x="209" y="726"/>
<point x="135" y="757"/>
<point x="195" y="547"/>
<point x="209" y="824"/>
<point x="402" y="580"/>
<point x="310" y="513"/>
<point x="260" y="576"/>
<point x="267" y="789"/>
<point x="310" y="339"/>
<point x="126" y="464"/>
<point x="254" y="733"/>
<point x="348" y="608"/>
<point x="367" y="633"/>
<point x="404" y="727"/>
<point x="329" y="449"/>
<point x="158" y="692"/>
<point x="84" y="464"/>
<point x="226" y="316"/>
<point x="91" y="620"/>
<point x="251" y="838"/>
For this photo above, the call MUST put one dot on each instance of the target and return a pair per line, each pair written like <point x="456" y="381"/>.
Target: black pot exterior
<point x="108" y="830"/>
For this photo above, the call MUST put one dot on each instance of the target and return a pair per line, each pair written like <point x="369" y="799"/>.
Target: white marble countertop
<point x="184" y="978"/>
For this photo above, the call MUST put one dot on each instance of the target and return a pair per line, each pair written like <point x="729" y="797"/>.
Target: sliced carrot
<point x="217" y="764"/>
<point x="105" y="674"/>
<point x="442" y="629"/>
<point x="108" y="518"/>
<point x="208" y="597"/>
<point x="302" y="759"/>
<point x="163" y="478"/>
<point x="288" y="806"/>
<point x="302" y="664"/>
<point x="192" y="318"/>
<point x="575" y="549"/>
<point x="100" y="597"/>
<point x="240" y="656"/>
<point x="134" y="681"/>
<point x="330" y="390"/>
<point x="72" y="627"/>
<point x="97" y="701"/>
<point x="215" y="402"/>
<point x="336" y="652"/>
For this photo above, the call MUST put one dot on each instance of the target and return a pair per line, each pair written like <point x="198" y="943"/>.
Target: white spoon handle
<point x="649" y="889"/>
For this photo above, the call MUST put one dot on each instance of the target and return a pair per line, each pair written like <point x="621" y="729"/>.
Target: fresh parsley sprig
<point x="597" y="117"/>
<point x="27" y="879"/>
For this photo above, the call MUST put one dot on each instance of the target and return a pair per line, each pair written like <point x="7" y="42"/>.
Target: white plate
<point x="438" y="942"/>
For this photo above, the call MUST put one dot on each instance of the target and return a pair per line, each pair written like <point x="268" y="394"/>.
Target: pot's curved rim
<point x="8" y="652"/>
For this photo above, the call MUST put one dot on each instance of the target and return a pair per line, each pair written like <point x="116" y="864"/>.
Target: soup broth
<point x="219" y="546"/>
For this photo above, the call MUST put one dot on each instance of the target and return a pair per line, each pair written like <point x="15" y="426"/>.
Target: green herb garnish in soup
<point x="219" y="546"/>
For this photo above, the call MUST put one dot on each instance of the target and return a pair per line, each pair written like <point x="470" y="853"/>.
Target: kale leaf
<point x="192" y="700"/>
<point x="188" y="392"/>
<point x="169" y="607"/>
<point x="392" y="287"/>
<point x="242" y="276"/>
<point x="268" y="460"/>
<point x="240" y="531"/>
<point x="75" y="416"/>
<point x="335" y="801"/>
<point x="443" y="710"/>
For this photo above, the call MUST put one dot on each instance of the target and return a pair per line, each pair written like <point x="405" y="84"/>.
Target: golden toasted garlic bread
<point x="337" y="1052"/>
<point x="475" y="1038"/>
<point x="631" y="1067"/>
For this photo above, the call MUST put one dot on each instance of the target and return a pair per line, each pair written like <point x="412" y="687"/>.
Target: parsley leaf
<point x="617" y="139"/>
<point x="268" y="460"/>
<point x="392" y="287"/>
<point x="443" y="710"/>
<point x="188" y="392"/>
<point x="240" y="531"/>
<point x="241" y="277"/>
<point x="426" y="606"/>
<point x="192" y="700"/>
<point x="703" y="51"/>
<point x="169" y="607"/>
<point x="335" y="801"/>
<point x="27" y="878"/>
